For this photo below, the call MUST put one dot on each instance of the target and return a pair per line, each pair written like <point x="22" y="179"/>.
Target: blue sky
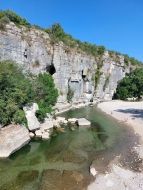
<point x="116" y="24"/>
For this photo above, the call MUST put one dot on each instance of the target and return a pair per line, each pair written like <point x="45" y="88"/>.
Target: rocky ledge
<point x="13" y="137"/>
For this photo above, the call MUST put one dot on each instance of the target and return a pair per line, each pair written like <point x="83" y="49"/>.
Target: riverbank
<point x="130" y="113"/>
<point x="118" y="176"/>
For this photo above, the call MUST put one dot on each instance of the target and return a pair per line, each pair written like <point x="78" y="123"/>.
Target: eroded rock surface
<point x="32" y="49"/>
<point x="12" y="138"/>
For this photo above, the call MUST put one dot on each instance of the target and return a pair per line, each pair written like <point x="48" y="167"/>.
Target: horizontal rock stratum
<point x="12" y="138"/>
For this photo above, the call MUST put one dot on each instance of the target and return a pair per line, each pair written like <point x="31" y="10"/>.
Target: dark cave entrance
<point x="51" y="69"/>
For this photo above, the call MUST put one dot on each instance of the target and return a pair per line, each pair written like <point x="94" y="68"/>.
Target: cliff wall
<point x="73" y="71"/>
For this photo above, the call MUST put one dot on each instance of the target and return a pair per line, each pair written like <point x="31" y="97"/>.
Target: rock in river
<point x="82" y="122"/>
<point x="12" y="138"/>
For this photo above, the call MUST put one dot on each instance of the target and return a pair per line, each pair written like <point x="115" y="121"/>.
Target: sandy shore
<point x="118" y="177"/>
<point x="130" y="113"/>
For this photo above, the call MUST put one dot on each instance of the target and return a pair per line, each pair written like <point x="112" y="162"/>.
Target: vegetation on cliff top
<point x="18" y="90"/>
<point x="130" y="86"/>
<point x="57" y="34"/>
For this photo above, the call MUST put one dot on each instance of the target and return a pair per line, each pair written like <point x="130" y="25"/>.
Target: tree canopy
<point x="130" y="86"/>
<point x="18" y="90"/>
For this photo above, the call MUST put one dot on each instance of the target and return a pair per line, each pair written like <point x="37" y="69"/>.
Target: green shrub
<point x="57" y="34"/>
<point x="18" y="90"/>
<point x="131" y="86"/>
<point x="13" y="17"/>
<point x="98" y="73"/>
<point x="15" y="92"/>
<point x="46" y="94"/>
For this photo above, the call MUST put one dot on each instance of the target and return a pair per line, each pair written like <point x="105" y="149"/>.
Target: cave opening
<point x="51" y="69"/>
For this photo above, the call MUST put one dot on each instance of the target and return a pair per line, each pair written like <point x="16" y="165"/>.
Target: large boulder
<point x="82" y="122"/>
<point x="12" y="138"/>
<point x="33" y="123"/>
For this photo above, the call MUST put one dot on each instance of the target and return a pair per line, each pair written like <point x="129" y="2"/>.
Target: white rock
<point x="84" y="122"/>
<point x="45" y="136"/>
<point x="109" y="183"/>
<point x="93" y="171"/>
<point x="38" y="133"/>
<point x="65" y="122"/>
<point x="31" y="135"/>
<point x="56" y="123"/>
<point x="72" y="120"/>
<point x="33" y="123"/>
<point x="12" y="138"/>
<point x="48" y="124"/>
<point x="60" y="120"/>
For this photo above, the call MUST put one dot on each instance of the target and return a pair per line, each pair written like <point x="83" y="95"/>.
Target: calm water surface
<point x="62" y="163"/>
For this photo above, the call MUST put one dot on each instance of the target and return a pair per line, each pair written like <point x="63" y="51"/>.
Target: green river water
<point x="63" y="162"/>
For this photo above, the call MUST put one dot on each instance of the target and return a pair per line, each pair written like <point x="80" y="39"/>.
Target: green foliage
<point x="57" y="34"/>
<point x="18" y="90"/>
<point x="13" y="17"/>
<point x="46" y="94"/>
<point x="3" y="21"/>
<point x="70" y="94"/>
<point x="15" y="92"/>
<point x="131" y="86"/>
<point x="97" y="77"/>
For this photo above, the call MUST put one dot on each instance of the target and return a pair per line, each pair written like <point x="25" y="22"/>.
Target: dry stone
<point x="12" y="138"/>
<point x="33" y="123"/>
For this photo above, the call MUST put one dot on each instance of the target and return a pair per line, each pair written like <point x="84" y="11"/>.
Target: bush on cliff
<point x="46" y="94"/>
<point x="17" y="90"/>
<point x="13" y="17"/>
<point x="57" y="34"/>
<point x="131" y="86"/>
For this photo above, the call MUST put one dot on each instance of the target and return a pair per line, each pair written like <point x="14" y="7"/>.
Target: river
<point x="63" y="162"/>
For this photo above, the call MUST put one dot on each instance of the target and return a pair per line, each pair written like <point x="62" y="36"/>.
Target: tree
<point x="131" y="86"/>
<point x="15" y="92"/>
<point x="18" y="89"/>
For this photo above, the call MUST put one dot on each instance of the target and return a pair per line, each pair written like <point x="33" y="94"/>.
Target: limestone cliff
<point x="75" y="70"/>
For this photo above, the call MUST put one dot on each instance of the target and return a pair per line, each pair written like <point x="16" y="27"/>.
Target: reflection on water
<point x="63" y="162"/>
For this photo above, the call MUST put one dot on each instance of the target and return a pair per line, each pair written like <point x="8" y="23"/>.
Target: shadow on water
<point x="63" y="161"/>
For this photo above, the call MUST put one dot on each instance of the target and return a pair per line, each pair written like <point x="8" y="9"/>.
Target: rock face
<point x="32" y="49"/>
<point x="33" y="123"/>
<point x="12" y="138"/>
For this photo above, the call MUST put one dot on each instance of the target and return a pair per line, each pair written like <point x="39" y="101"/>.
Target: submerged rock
<point x="12" y="138"/>
<point x="65" y="180"/>
<point x="82" y="122"/>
